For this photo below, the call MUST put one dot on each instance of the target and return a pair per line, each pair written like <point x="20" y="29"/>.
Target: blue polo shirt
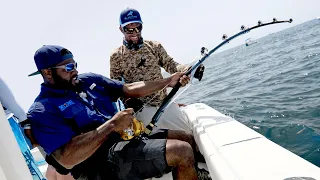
<point x="57" y="115"/>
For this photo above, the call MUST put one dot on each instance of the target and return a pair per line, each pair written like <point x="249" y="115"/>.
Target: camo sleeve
<point x="115" y="68"/>
<point x="166" y="61"/>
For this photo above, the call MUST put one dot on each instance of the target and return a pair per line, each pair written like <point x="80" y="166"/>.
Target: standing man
<point x="141" y="60"/>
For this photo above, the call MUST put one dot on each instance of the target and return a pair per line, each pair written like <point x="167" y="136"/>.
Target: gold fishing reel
<point x="136" y="129"/>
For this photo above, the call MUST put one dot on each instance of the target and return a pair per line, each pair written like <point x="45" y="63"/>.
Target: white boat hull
<point x="234" y="151"/>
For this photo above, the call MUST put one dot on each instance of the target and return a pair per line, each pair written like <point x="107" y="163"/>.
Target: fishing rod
<point x="205" y="54"/>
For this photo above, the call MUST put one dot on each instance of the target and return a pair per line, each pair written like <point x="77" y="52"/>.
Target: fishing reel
<point x="136" y="129"/>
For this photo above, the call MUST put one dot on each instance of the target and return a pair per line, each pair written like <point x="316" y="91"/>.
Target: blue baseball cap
<point x="49" y="56"/>
<point x="128" y="16"/>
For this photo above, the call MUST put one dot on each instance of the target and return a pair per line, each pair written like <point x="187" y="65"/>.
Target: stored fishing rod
<point x="174" y="90"/>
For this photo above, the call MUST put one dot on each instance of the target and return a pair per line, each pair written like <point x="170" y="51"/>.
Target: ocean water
<point x="272" y="86"/>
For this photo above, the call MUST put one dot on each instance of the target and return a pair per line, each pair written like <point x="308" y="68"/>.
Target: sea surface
<point x="272" y="86"/>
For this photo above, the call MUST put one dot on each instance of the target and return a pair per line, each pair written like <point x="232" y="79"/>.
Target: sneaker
<point x="203" y="174"/>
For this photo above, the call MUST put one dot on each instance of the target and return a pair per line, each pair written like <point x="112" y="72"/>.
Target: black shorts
<point x="135" y="159"/>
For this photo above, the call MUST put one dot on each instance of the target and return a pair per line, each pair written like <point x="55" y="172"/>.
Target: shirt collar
<point x="46" y="88"/>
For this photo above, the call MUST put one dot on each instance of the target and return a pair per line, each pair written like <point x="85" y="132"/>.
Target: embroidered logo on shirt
<point x="64" y="106"/>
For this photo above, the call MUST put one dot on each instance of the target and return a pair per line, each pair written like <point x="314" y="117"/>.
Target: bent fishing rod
<point x="174" y="90"/>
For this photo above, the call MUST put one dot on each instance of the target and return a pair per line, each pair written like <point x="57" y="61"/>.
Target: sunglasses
<point x="132" y="30"/>
<point x="68" y="67"/>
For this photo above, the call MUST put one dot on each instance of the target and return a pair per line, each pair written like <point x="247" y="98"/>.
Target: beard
<point x="60" y="82"/>
<point x="134" y="45"/>
<point x="139" y="40"/>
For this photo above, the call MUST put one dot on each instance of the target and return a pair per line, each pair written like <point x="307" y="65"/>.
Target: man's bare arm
<point x="144" y="88"/>
<point x="81" y="147"/>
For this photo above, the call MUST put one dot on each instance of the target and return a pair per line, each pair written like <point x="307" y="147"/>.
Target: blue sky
<point x="90" y="30"/>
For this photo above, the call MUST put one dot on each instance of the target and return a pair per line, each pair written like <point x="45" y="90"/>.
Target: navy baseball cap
<point x="49" y="56"/>
<point x="128" y="16"/>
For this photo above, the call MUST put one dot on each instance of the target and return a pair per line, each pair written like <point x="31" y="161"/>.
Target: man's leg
<point x="172" y="118"/>
<point x="183" y="136"/>
<point x="198" y="157"/>
<point x="179" y="155"/>
<point x="51" y="173"/>
<point x="141" y="159"/>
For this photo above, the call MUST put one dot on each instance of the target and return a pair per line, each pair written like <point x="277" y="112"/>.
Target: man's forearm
<point x="83" y="146"/>
<point x="143" y="88"/>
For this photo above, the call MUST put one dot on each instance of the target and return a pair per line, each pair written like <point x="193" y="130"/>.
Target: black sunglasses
<point x="132" y="30"/>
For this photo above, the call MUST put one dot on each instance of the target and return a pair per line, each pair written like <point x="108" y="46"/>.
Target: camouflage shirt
<point x="143" y="65"/>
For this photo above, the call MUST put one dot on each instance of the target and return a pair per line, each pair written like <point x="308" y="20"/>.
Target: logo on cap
<point x="130" y="13"/>
<point x="130" y="16"/>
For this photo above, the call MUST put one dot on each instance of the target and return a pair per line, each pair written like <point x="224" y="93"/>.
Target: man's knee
<point x="181" y="135"/>
<point x="179" y="152"/>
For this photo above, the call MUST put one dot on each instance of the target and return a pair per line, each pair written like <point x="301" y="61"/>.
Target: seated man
<point x="77" y="125"/>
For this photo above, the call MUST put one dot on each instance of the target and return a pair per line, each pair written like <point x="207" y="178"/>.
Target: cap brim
<point x="124" y="24"/>
<point x="33" y="74"/>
